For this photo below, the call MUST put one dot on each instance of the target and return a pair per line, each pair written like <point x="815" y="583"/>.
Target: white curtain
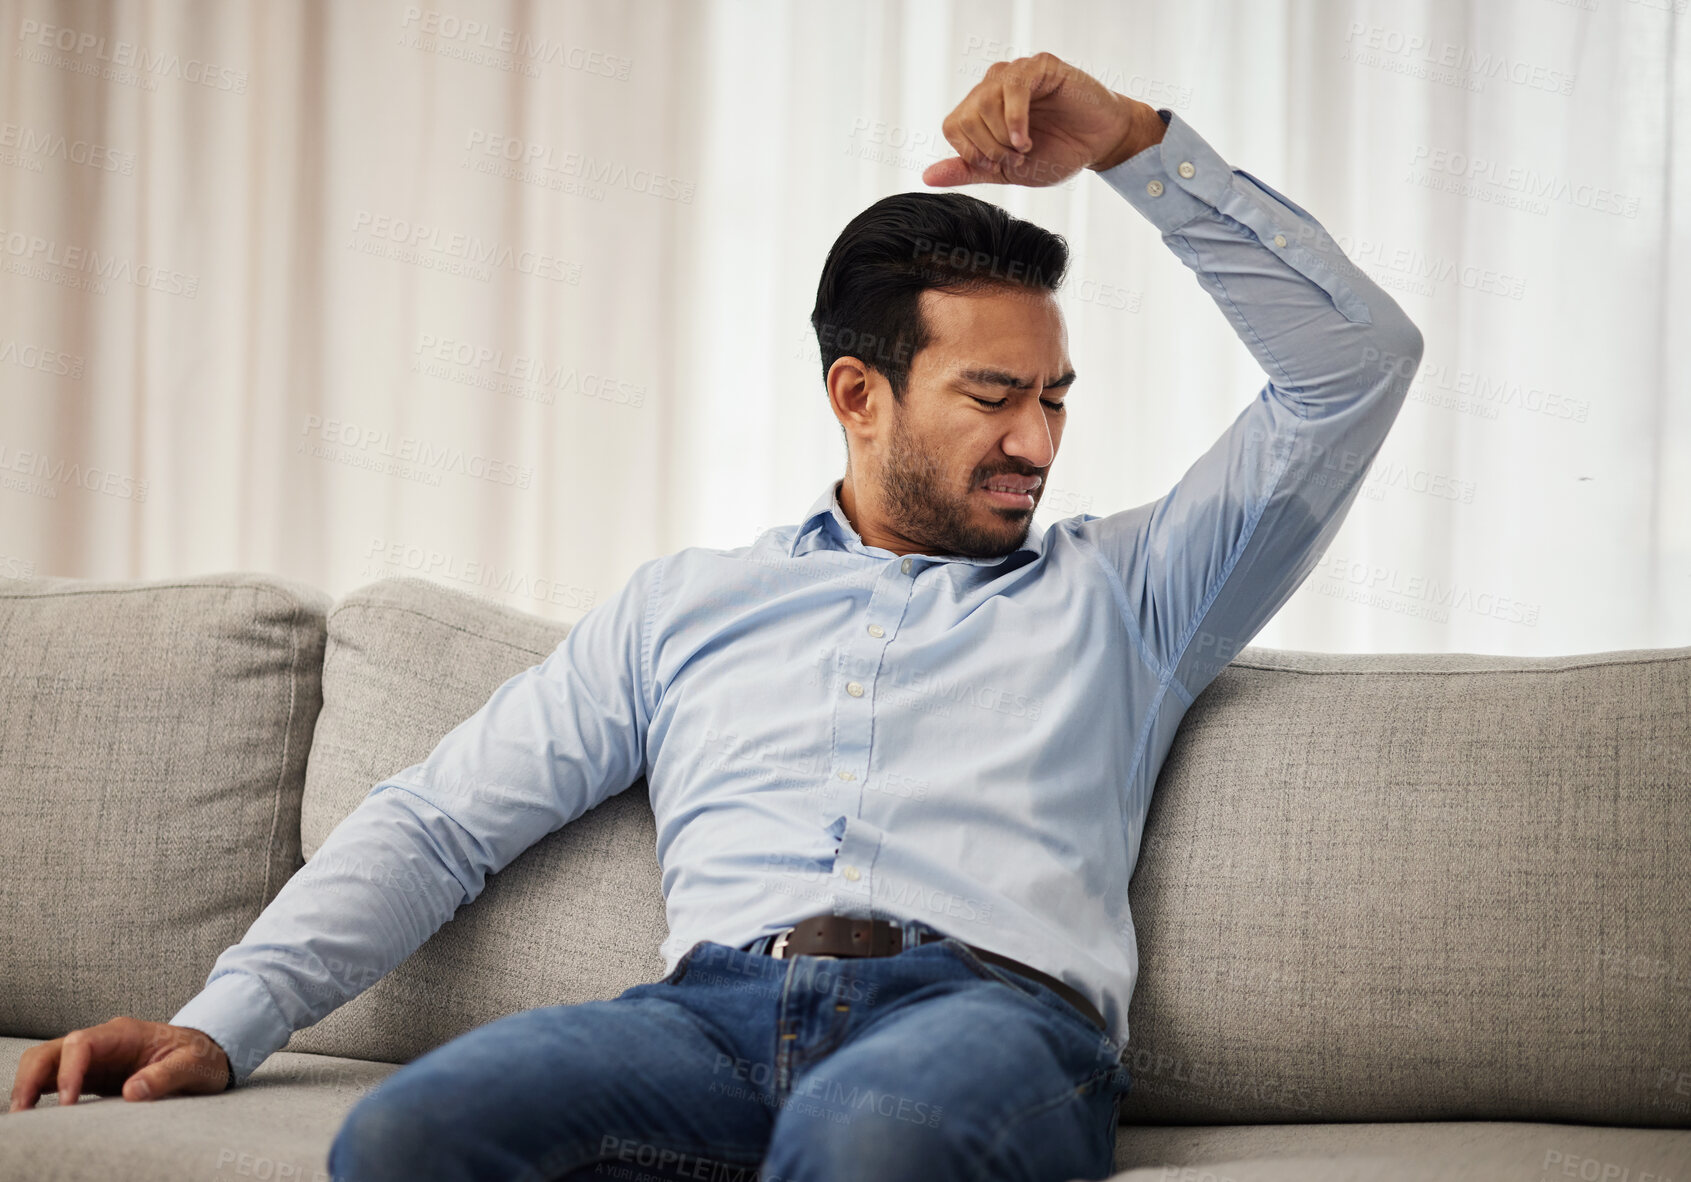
<point x="515" y="295"/>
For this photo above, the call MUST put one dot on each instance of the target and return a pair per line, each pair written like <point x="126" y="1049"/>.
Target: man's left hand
<point x="1037" y="121"/>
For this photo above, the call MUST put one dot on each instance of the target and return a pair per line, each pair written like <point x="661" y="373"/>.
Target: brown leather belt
<point x="845" y="935"/>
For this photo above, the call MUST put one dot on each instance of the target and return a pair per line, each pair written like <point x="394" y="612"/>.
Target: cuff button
<point x="1154" y="188"/>
<point x="1186" y="169"/>
<point x="1279" y="240"/>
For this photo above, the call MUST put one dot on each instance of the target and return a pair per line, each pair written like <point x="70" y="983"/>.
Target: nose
<point x="1030" y="438"/>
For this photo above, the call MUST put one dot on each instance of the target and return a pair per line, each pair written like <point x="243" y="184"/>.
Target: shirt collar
<point x="826" y="519"/>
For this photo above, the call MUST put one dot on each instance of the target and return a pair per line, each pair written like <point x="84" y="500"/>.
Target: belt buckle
<point x="778" y="949"/>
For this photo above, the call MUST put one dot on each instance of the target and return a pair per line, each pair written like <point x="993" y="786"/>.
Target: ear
<point x="858" y="396"/>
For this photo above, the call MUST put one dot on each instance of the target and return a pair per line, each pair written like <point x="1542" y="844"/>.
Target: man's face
<point x="929" y="460"/>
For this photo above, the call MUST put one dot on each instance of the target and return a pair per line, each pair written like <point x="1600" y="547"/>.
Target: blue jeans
<point x="929" y="1065"/>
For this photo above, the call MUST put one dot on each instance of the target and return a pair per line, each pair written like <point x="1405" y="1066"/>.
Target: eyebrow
<point x="999" y="377"/>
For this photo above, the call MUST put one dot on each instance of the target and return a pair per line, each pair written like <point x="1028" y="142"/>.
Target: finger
<point x="1009" y="165"/>
<point x="36" y="1066"/>
<point x="73" y="1065"/>
<point x="963" y="168"/>
<point x="181" y="1071"/>
<point x="993" y="154"/>
<point x="1016" y="100"/>
<point x="990" y="112"/>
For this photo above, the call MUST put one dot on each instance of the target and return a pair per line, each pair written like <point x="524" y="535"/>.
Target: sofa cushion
<point x="1454" y="1151"/>
<point x="1420" y="887"/>
<point x="277" y="1126"/>
<point x="153" y="737"/>
<point x="577" y="916"/>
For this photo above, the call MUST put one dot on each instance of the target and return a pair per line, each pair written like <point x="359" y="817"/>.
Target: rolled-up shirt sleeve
<point x="1205" y="566"/>
<point x="551" y="743"/>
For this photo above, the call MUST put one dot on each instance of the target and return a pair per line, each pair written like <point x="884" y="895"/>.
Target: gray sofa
<point x="1400" y="917"/>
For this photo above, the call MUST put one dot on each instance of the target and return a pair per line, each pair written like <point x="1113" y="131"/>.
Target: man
<point x="900" y="946"/>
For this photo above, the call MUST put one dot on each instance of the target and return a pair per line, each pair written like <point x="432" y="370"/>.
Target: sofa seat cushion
<point x="153" y="738"/>
<point x="277" y="1126"/>
<point x="1445" y="1151"/>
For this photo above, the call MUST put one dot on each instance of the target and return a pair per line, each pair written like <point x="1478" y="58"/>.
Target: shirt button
<point x="1279" y="240"/>
<point x="905" y="566"/>
<point x="877" y="631"/>
<point x="1154" y="188"/>
<point x="852" y="873"/>
<point x="848" y="775"/>
<point x="854" y="689"/>
<point x="1186" y="170"/>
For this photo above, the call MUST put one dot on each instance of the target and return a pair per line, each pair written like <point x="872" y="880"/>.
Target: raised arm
<point x="1205" y="566"/>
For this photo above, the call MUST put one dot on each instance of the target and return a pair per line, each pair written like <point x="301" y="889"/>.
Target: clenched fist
<point x="125" y="1056"/>
<point x="1037" y="121"/>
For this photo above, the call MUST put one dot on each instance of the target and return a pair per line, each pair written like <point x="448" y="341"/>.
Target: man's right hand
<point x="125" y="1056"/>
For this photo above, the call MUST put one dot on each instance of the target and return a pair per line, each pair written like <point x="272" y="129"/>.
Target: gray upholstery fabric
<point x="1420" y="887"/>
<point x="279" y="1127"/>
<point x="1473" y="1151"/>
<point x="1443" y="888"/>
<point x="153" y="738"/>
<point x="578" y="916"/>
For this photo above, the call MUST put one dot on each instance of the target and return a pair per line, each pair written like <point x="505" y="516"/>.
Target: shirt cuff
<point x="236" y="1012"/>
<point x="1181" y="178"/>
<point x="1174" y="180"/>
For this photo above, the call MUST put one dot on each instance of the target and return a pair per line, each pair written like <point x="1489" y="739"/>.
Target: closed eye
<point x="1002" y="401"/>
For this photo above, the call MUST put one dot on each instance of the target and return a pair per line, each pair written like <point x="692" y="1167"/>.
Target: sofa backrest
<point x="1420" y="887"/>
<point x="1371" y="887"/>
<point x="153" y="738"/>
<point x="577" y="916"/>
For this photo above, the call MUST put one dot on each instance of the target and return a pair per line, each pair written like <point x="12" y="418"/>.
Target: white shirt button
<point x="848" y="775"/>
<point x="852" y="873"/>
<point x="905" y="566"/>
<point x="854" y="689"/>
<point x="1154" y="188"/>
<point x="1186" y="170"/>
<point x="1279" y="240"/>
<point x="877" y="631"/>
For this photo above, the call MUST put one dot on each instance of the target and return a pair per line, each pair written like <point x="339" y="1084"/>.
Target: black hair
<point x="868" y="304"/>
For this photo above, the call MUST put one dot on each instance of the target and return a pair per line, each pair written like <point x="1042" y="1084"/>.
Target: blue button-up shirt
<point x="826" y="726"/>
